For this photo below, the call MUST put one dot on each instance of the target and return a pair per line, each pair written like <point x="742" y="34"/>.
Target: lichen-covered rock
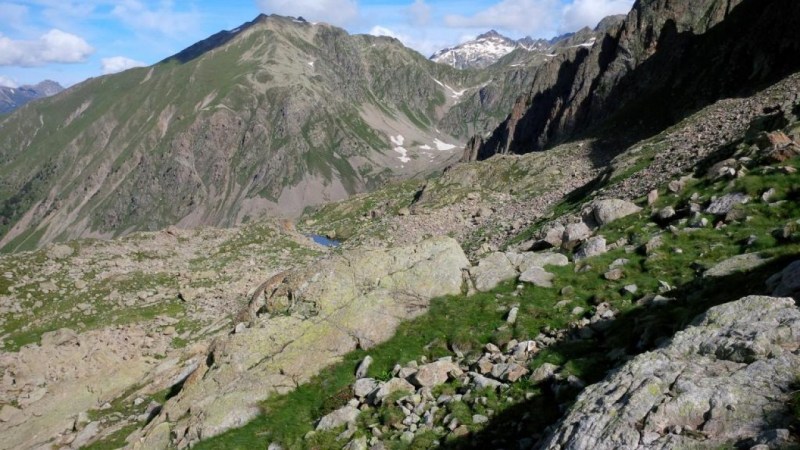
<point x="723" y="380"/>
<point x="736" y="264"/>
<point x="726" y="203"/>
<point x="341" y="416"/>
<point x="352" y="300"/>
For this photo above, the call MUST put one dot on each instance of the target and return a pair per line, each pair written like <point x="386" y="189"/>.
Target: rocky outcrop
<point x="351" y="301"/>
<point x="725" y="380"/>
<point x="661" y="55"/>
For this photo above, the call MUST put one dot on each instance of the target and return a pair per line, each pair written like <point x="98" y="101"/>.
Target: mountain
<point x="13" y="98"/>
<point x="267" y="119"/>
<point x="491" y="47"/>
<point x="649" y="71"/>
<point x="632" y="285"/>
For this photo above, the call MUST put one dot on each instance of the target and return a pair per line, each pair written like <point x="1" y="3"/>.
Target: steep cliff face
<point x="650" y="70"/>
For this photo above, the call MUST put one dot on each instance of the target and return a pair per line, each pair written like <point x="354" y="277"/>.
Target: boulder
<point x="575" y="232"/>
<point x="435" y="373"/>
<point x="527" y="260"/>
<point x="592" y="247"/>
<point x="545" y="372"/>
<point x="726" y="378"/>
<point x="736" y="264"/>
<point x="538" y="277"/>
<point x="786" y="282"/>
<point x="609" y="210"/>
<point x="723" y="205"/>
<point x="491" y="271"/>
<point x="338" y="418"/>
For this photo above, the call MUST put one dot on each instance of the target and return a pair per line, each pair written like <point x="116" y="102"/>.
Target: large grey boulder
<point x="609" y="210"/>
<point x="538" y="277"/>
<point x="355" y="299"/>
<point x="491" y="271"/>
<point x="592" y="247"/>
<point x="725" y="379"/>
<point x="576" y="232"/>
<point x="786" y="282"/>
<point x="739" y="263"/>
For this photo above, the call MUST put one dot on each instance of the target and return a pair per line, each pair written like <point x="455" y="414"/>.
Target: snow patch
<point x="443" y="146"/>
<point x="426" y="147"/>
<point x="311" y="63"/>
<point x="453" y="93"/>
<point x="398" y="140"/>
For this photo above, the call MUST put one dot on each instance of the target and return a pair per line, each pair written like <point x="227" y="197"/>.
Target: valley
<point x="290" y="237"/>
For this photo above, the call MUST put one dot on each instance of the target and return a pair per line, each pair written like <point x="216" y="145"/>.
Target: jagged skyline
<point x="71" y="41"/>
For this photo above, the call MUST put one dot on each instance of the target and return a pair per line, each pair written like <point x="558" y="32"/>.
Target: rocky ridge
<point x="643" y="62"/>
<point x="12" y="98"/>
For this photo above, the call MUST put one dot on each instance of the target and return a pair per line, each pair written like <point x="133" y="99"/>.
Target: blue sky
<point x="71" y="40"/>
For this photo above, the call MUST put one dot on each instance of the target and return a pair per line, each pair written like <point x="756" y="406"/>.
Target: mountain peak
<point x="491" y="34"/>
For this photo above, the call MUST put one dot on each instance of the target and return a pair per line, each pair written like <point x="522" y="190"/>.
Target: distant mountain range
<point x="490" y="47"/>
<point x="13" y="98"/>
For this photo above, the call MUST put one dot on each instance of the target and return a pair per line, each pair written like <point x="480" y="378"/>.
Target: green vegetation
<point x="674" y="271"/>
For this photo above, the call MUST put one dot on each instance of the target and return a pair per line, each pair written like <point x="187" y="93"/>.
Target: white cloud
<point x="14" y="15"/>
<point x="424" y="46"/>
<point x="337" y="12"/>
<point x="8" y="82"/>
<point x="118" y="64"/>
<point x="588" y="13"/>
<point x="540" y="18"/>
<point x="524" y="16"/>
<point x="55" y="46"/>
<point x="419" y="12"/>
<point x="164" y="19"/>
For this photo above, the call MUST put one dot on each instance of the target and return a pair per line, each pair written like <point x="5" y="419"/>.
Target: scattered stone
<point x="665" y="214"/>
<point x="512" y="316"/>
<point x="482" y="382"/>
<point x="675" y="186"/>
<point x="435" y="373"/>
<point x="653" y="244"/>
<point x="404" y="212"/>
<point x="363" y="367"/>
<point x="614" y="275"/>
<point x="631" y="289"/>
<point x="652" y="197"/>
<point x="479" y="419"/>
<point x="60" y="251"/>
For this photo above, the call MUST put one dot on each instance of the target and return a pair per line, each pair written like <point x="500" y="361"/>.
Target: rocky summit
<point x="328" y="241"/>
